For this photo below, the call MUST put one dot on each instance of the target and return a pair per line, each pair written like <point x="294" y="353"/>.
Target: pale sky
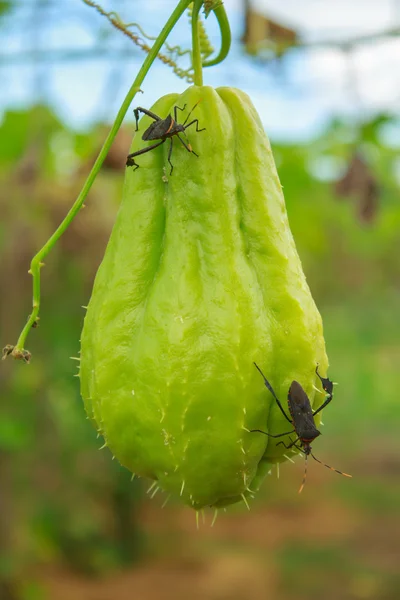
<point x="294" y="103"/>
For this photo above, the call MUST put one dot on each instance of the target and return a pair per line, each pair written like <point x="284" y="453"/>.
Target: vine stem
<point x="37" y="263"/>
<point x="196" y="53"/>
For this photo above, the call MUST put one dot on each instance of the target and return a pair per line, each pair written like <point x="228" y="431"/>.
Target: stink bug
<point x="302" y="419"/>
<point x="163" y="129"/>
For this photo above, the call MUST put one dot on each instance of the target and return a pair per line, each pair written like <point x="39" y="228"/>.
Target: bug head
<point x="306" y="448"/>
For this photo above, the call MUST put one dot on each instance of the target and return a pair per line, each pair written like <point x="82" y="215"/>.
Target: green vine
<point x="197" y="61"/>
<point x="206" y="48"/>
<point x="18" y="351"/>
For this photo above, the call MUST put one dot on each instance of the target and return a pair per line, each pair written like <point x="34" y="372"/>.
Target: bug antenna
<point x="305" y="475"/>
<point x="329" y="467"/>
<point x="190" y="112"/>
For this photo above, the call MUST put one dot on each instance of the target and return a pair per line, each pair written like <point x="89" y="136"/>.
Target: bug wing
<point x="301" y="412"/>
<point x="157" y="129"/>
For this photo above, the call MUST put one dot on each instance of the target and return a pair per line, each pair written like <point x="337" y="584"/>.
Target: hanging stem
<point x="18" y="351"/>
<point x="196" y="53"/>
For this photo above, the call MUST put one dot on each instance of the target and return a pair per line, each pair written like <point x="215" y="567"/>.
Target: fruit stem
<point x="196" y="52"/>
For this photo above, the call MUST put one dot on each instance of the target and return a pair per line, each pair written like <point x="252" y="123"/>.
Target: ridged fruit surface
<point x="200" y="278"/>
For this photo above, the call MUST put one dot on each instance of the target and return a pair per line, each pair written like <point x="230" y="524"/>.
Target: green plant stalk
<point x="37" y="261"/>
<point x="196" y="53"/>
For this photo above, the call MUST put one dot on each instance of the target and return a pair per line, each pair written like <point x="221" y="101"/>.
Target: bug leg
<point x="322" y="405"/>
<point x="178" y="108"/>
<point x="327" y="386"/>
<point x="187" y="146"/>
<point x="283" y="444"/>
<point x="169" y="157"/>
<point x="130" y="162"/>
<point x="290" y="445"/>
<point x="270" y="434"/>
<point x="146" y="112"/>
<point x="268" y="385"/>
<point x="197" y="125"/>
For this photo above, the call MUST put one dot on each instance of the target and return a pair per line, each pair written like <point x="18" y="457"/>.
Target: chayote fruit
<point x="200" y="279"/>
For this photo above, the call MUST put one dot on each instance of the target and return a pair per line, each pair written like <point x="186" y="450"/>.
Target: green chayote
<point x="200" y="279"/>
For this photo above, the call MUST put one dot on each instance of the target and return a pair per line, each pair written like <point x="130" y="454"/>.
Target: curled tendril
<point x="173" y="51"/>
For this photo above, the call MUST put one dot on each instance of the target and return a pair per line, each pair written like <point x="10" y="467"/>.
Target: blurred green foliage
<point x="64" y="501"/>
